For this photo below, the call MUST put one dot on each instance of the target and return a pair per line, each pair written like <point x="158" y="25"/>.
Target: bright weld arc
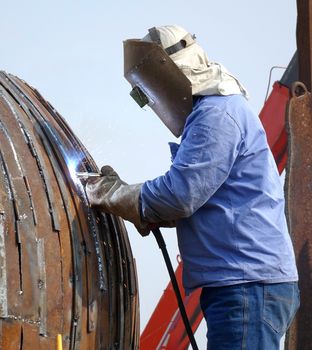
<point x="72" y="168"/>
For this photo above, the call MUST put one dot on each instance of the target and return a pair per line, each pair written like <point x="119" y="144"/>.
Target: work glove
<point x="114" y="196"/>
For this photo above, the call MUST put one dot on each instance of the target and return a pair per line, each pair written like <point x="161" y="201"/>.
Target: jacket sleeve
<point x="210" y="144"/>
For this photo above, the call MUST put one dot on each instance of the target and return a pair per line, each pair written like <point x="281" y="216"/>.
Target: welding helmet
<point x="155" y="78"/>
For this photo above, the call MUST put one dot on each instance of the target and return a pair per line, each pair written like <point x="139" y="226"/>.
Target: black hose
<point x="162" y="245"/>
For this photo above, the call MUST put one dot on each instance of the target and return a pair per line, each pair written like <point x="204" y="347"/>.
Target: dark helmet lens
<point x="139" y="97"/>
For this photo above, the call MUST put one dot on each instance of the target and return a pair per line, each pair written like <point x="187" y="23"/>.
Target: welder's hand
<point x="114" y="196"/>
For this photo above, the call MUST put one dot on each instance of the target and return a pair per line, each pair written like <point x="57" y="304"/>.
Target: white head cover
<point x="207" y="78"/>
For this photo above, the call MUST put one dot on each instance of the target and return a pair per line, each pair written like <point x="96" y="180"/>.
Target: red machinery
<point x="165" y="329"/>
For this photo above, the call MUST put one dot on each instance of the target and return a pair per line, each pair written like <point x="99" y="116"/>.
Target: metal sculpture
<point x="65" y="269"/>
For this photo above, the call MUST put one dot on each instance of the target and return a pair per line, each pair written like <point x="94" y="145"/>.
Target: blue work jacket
<point x="224" y="191"/>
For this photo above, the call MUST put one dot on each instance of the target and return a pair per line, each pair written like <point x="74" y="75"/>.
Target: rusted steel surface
<point x="299" y="208"/>
<point x="64" y="268"/>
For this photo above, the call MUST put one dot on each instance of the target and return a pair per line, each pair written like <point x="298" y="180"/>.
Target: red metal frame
<point x="272" y="117"/>
<point x="165" y="329"/>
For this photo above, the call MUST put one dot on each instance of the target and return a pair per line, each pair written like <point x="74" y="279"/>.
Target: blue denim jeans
<point x="249" y="316"/>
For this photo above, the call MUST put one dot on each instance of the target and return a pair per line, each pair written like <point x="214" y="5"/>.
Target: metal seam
<point x="39" y="162"/>
<point x="16" y="216"/>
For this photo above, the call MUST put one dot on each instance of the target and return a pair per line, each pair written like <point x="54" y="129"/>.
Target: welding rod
<point x="87" y="175"/>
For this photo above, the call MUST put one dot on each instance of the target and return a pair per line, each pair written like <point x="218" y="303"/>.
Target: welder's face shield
<point x="158" y="83"/>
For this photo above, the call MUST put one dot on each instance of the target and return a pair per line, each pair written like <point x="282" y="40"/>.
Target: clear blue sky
<point x="71" y="51"/>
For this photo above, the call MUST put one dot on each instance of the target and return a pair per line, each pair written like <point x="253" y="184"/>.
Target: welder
<point x="222" y="192"/>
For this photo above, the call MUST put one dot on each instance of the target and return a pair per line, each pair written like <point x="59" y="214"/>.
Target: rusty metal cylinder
<point x="67" y="274"/>
<point x="299" y="208"/>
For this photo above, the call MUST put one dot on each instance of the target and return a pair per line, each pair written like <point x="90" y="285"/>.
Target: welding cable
<point x="162" y="246"/>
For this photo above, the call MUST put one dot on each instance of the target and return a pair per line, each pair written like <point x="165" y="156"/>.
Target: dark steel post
<point x="304" y="40"/>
